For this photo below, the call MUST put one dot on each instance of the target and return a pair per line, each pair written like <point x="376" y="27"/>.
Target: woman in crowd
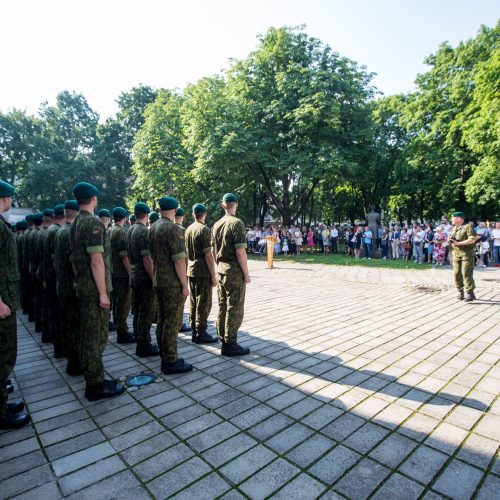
<point x="439" y="246"/>
<point x="325" y="234"/>
<point x="358" y="240"/>
<point x="429" y="244"/>
<point x="298" y="240"/>
<point x="405" y="244"/>
<point x="277" y="244"/>
<point x="394" y="238"/>
<point x="384" y="243"/>
<point x="310" y="240"/>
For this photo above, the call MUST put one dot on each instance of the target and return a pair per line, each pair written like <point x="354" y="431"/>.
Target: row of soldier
<point x="73" y="268"/>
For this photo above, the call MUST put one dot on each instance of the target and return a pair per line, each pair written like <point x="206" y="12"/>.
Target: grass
<point x="341" y="259"/>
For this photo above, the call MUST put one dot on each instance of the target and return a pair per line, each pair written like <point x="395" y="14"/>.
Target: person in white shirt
<point x="495" y="238"/>
<point x="418" y="245"/>
<point x="334" y="238"/>
<point x="251" y="234"/>
<point x="482" y="243"/>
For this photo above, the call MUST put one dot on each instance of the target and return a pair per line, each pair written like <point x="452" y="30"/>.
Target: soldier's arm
<point x="209" y="259"/>
<point x="99" y="275"/>
<point x="126" y="263"/>
<point x="241" y="255"/>
<point x="148" y="265"/>
<point x="240" y="245"/>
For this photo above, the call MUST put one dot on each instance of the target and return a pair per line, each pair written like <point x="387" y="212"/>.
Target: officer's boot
<point x="194" y="333"/>
<point x="233" y="349"/>
<point x="185" y="328"/>
<point x="178" y="366"/>
<point x="108" y="389"/>
<point x="111" y="326"/>
<point x="145" y="349"/>
<point x="59" y="352"/>
<point x="470" y="297"/>
<point x="135" y="322"/>
<point x="73" y="368"/>
<point x="125" y="338"/>
<point x="13" y="420"/>
<point x="205" y="338"/>
<point x="460" y="295"/>
<point x="9" y="388"/>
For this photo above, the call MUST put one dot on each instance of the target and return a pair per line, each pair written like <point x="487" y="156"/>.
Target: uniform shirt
<point x="19" y="245"/>
<point x="87" y="236"/>
<point x="198" y="243"/>
<point x="30" y="250"/>
<point x="9" y="272"/>
<point x="228" y="234"/>
<point x="48" y="254"/>
<point x="462" y="233"/>
<point x="166" y="240"/>
<point x="137" y="248"/>
<point x="39" y="243"/>
<point x="62" y="263"/>
<point x="118" y="241"/>
<point x="25" y="260"/>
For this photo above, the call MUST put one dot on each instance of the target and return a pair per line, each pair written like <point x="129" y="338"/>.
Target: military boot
<point x="233" y="349"/>
<point x="460" y="295"/>
<point x="15" y="407"/>
<point x="470" y="297"/>
<point x="73" y="368"/>
<point x="125" y="338"/>
<point x="178" y="366"/>
<point x="59" y="352"/>
<point x="9" y="388"/>
<point x="108" y="389"/>
<point x="194" y="333"/>
<point x="111" y="326"/>
<point x="145" y="349"/>
<point x="185" y="328"/>
<point x="13" y="420"/>
<point x="205" y="338"/>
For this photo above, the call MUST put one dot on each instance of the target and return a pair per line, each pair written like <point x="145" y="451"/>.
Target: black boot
<point x="13" y="420"/>
<point x="46" y="336"/>
<point x="470" y="297"/>
<point x="125" y="338"/>
<point x="185" y="328"/>
<point x="15" y="407"/>
<point x="9" y="388"/>
<point x="145" y="349"/>
<point x="59" y="352"/>
<point x="73" y="368"/>
<point x="38" y="327"/>
<point x="111" y="326"/>
<point x="194" y="333"/>
<point x="205" y="338"/>
<point x="460" y="295"/>
<point x="178" y="367"/>
<point x="108" y="389"/>
<point x="31" y="317"/>
<point x="233" y="349"/>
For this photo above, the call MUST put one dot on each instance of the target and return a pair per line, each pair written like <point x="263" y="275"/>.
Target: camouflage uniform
<point x="20" y="265"/>
<point x="120" y="278"/>
<point x="66" y="294"/>
<point x="463" y="257"/>
<point x="30" y="247"/>
<point x="87" y="235"/>
<point x="167" y="245"/>
<point x="9" y="290"/>
<point x="228" y="235"/>
<point x="50" y="291"/>
<point x="24" y="267"/>
<point x="144" y="297"/>
<point x="198" y="243"/>
<point x="40" y="298"/>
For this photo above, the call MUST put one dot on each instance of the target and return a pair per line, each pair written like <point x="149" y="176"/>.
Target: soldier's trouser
<point x="144" y="297"/>
<point x="121" y="303"/>
<point x="463" y="269"/>
<point x="54" y="315"/>
<point x="70" y="323"/>
<point x="45" y="312"/>
<point x="38" y="301"/>
<point x="25" y="290"/>
<point x="8" y="346"/>
<point x="231" y="293"/>
<point x="31" y="295"/>
<point x="170" y="312"/>
<point x="93" y="335"/>
<point x="200" y="298"/>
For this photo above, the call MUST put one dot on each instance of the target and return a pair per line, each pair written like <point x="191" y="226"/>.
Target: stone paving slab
<point x="361" y="383"/>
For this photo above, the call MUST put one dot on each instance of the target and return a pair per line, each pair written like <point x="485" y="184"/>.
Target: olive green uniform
<point x="22" y="269"/>
<point x="167" y="246"/>
<point x="144" y="297"/>
<point x="30" y="252"/>
<point x="40" y="298"/>
<point x="87" y="236"/>
<point x="228" y="235"/>
<point x="198" y="243"/>
<point x="463" y="257"/>
<point x="120" y="278"/>
<point x="9" y="291"/>
<point x="69" y="318"/>
<point x="25" y="272"/>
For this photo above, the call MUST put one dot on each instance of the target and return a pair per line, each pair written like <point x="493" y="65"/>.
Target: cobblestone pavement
<point x="361" y="382"/>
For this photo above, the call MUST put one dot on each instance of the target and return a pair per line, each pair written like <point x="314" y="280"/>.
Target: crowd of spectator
<point x="421" y="243"/>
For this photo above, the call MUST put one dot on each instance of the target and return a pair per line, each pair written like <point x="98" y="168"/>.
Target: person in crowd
<point x="439" y="246"/>
<point x="285" y="239"/>
<point x="384" y="243"/>
<point x="405" y="244"/>
<point x="358" y="240"/>
<point x="325" y="235"/>
<point x="495" y="240"/>
<point x="277" y="241"/>
<point x="367" y="242"/>
<point x="251" y="235"/>
<point x="334" y="239"/>
<point x="429" y="244"/>
<point x="395" y="241"/>
<point x="418" y="244"/>
<point x="310" y="240"/>
<point x="482" y="243"/>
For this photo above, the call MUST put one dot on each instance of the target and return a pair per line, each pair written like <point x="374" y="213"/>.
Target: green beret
<point x="72" y="205"/>
<point x="84" y="190"/>
<point x="154" y="216"/>
<point x="458" y="214"/>
<point x="48" y="212"/>
<point x="30" y="218"/>
<point x="180" y="212"/>
<point x="21" y="225"/>
<point x="168" y="203"/>
<point x="132" y="218"/>
<point x="13" y="226"/>
<point x="103" y="213"/>
<point x="38" y="218"/>
<point x="199" y="208"/>
<point x="59" y="209"/>
<point x="229" y="198"/>
<point x="141" y="208"/>
<point x="119" y="212"/>
<point x="6" y="190"/>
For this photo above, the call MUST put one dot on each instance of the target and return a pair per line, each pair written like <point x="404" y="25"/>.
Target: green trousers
<point x="200" y="300"/>
<point x="231" y="293"/>
<point x="121" y="303"/>
<point x="8" y="344"/>
<point x="70" y="324"/>
<point x="170" y="311"/>
<point x="463" y="270"/>
<point x="144" y="309"/>
<point x="54" y="315"/>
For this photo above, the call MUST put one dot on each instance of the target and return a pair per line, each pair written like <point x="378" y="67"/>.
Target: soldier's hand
<point x="5" y="311"/>
<point x="185" y="291"/>
<point x="214" y="282"/>
<point x="247" y="279"/>
<point x="104" y="301"/>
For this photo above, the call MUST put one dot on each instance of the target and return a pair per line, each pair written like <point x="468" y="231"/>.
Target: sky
<point x="104" y="47"/>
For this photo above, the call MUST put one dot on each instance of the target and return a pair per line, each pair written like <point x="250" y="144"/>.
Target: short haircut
<point x="230" y="204"/>
<point x="140" y="215"/>
<point x="118" y="218"/>
<point x="84" y="201"/>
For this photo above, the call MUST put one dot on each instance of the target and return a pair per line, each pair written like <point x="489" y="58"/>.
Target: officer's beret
<point x="180" y="212"/>
<point x="103" y="213"/>
<point x="132" y="218"/>
<point x="229" y="198"/>
<point x="30" y="218"/>
<point x="199" y="208"/>
<point x="84" y="190"/>
<point x="168" y="203"/>
<point x="458" y="214"/>
<point x="38" y="218"/>
<point x="72" y="205"/>
<point x="154" y="216"/>
<point x="59" y="209"/>
<point x="13" y="226"/>
<point x="48" y="212"/>
<point x="119" y="212"/>
<point x="141" y="208"/>
<point x="21" y="225"/>
<point x="6" y="189"/>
